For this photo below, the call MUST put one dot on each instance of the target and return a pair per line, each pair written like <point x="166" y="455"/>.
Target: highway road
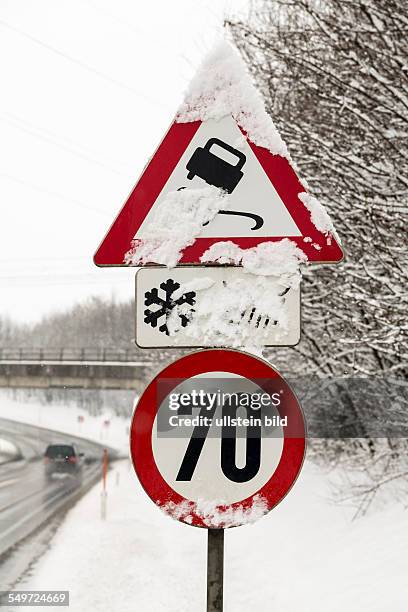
<point x="27" y="500"/>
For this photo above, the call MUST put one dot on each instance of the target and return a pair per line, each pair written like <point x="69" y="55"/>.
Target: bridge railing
<point x="72" y="354"/>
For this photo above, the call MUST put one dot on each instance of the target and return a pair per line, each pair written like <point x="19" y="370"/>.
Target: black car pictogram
<point x="213" y="169"/>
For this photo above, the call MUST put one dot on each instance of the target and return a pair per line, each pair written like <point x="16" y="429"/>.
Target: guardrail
<point x="72" y="354"/>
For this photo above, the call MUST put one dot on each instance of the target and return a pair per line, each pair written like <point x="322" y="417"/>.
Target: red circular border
<point x="224" y="360"/>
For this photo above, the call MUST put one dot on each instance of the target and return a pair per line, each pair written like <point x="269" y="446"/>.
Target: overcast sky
<point x="89" y="88"/>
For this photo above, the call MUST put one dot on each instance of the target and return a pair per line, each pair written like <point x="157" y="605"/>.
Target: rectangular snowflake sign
<point x="215" y="306"/>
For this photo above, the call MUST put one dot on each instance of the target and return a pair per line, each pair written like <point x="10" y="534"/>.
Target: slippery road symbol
<point x="216" y="171"/>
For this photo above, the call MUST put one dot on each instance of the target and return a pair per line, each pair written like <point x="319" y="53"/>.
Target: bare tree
<point x="334" y="75"/>
<point x="96" y="323"/>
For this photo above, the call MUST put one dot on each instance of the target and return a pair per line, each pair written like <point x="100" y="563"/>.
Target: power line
<point x="40" y="259"/>
<point x="133" y="29"/>
<point x="61" y="281"/>
<point x="122" y="22"/>
<point x="52" y="141"/>
<point x="57" y="275"/>
<point x="74" y="143"/>
<point x="62" y="278"/>
<point x="80" y="63"/>
<point x="53" y="193"/>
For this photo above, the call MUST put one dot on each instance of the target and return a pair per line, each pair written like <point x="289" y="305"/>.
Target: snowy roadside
<point x="305" y="555"/>
<point x="8" y="451"/>
<point x="68" y="419"/>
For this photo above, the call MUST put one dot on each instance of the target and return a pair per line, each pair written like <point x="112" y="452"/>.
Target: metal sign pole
<point x="215" y="570"/>
<point x="205" y="473"/>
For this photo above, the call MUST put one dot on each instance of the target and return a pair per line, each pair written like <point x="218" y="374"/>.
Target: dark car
<point x="63" y="459"/>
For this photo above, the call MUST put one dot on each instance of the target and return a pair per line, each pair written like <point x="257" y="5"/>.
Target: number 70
<point x="228" y="447"/>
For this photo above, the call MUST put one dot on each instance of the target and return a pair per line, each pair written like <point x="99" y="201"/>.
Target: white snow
<point x="215" y="514"/>
<point x="8" y="450"/>
<point x="223" y="252"/>
<point x="227" y="312"/>
<point x="275" y="259"/>
<point x="64" y="418"/>
<point x="178" y="220"/>
<point x="281" y="259"/>
<point x="223" y="86"/>
<point x="318" y="215"/>
<point x="306" y="554"/>
<point x="233" y="313"/>
<point x="197" y="284"/>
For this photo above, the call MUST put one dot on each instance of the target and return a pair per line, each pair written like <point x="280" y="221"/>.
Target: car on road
<point x="63" y="459"/>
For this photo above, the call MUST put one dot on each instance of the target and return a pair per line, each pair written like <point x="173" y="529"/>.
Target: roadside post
<point x="220" y="223"/>
<point x="80" y="420"/>
<point x="104" y="494"/>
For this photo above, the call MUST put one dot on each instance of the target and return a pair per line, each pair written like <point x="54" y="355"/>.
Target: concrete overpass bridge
<point x="75" y="368"/>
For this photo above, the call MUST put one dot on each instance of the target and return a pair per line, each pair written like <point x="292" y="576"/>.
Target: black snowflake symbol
<point x="167" y="304"/>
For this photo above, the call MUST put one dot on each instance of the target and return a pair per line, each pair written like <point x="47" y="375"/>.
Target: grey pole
<point x="215" y="570"/>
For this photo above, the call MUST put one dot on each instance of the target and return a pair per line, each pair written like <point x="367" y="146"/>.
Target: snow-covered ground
<point x="8" y="451"/>
<point x="305" y="555"/>
<point x="65" y="418"/>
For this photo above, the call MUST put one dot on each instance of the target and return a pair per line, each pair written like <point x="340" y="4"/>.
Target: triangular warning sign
<point x="266" y="201"/>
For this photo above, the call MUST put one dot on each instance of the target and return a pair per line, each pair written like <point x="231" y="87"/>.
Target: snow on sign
<point x="217" y="438"/>
<point x="221" y="173"/>
<point x="189" y="306"/>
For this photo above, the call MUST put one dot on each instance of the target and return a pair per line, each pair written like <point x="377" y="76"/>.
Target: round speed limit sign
<point x="218" y="438"/>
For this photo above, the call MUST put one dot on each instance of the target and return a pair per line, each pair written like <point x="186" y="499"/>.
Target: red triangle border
<point x="118" y="239"/>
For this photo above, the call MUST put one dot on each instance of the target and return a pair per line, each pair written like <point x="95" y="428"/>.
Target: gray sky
<point x="89" y="88"/>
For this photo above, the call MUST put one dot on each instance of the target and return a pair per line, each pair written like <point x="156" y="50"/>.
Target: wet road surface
<point x="27" y="499"/>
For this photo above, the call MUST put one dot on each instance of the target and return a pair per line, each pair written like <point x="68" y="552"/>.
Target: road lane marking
<point x="58" y="500"/>
<point x="6" y="483"/>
